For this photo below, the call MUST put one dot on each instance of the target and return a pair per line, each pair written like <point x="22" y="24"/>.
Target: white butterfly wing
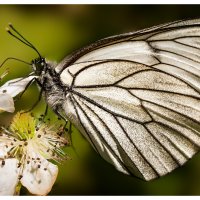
<point x="136" y="97"/>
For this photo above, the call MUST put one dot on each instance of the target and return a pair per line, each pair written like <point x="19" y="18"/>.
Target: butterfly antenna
<point x="12" y="58"/>
<point x="21" y="38"/>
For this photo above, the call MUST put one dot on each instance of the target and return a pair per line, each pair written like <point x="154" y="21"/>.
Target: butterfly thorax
<point x="51" y="85"/>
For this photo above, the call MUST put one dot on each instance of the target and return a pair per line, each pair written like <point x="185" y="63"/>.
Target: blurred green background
<point x="57" y="30"/>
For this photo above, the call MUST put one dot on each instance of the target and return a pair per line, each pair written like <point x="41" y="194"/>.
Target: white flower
<point x="11" y="89"/>
<point x="25" y="151"/>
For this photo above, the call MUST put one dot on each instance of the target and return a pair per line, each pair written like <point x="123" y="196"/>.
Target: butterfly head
<point x="38" y="65"/>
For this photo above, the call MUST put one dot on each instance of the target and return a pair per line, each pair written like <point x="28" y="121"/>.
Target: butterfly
<point x="135" y="96"/>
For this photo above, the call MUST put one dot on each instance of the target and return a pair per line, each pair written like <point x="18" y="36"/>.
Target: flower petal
<point x="6" y="103"/>
<point x="15" y="86"/>
<point x="4" y="151"/>
<point x="5" y="144"/>
<point x="8" y="176"/>
<point x="39" y="176"/>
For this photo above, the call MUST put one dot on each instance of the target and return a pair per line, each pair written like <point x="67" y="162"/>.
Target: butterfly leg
<point x="57" y="111"/>
<point x="36" y="103"/>
<point x="70" y="138"/>
<point x="45" y="113"/>
<point x="69" y="131"/>
<point x="27" y="86"/>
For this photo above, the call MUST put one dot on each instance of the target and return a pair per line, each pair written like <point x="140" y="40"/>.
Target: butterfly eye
<point x="38" y="65"/>
<point x="42" y="62"/>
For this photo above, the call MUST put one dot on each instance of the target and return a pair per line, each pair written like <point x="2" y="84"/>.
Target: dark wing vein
<point x="82" y="124"/>
<point x="100" y="106"/>
<point x="192" y="119"/>
<point x="100" y="135"/>
<point x="160" y="50"/>
<point x="123" y="37"/>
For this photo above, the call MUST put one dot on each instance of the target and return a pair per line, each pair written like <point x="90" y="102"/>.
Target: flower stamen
<point x="32" y="145"/>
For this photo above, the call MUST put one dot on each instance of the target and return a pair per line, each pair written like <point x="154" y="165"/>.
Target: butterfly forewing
<point x="136" y="97"/>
